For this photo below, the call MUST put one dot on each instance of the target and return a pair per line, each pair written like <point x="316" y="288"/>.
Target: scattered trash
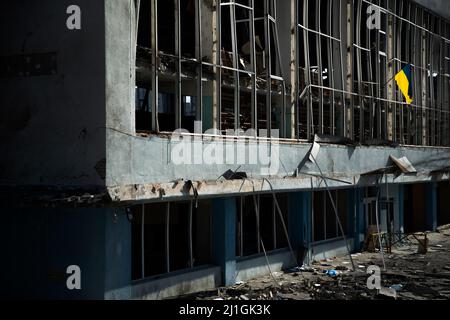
<point x="341" y="268"/>
<point x="408" y="276"/>
<point x="423" y="245"/>
<point x="294" y="270"/>
<point x="443" y="228"/>
<point x="387" y="293"/>
<point x="396" y="287"/>
<point x="307" y="269"/>
<point x="331" y="273"/>
<point x="439" y="246"/>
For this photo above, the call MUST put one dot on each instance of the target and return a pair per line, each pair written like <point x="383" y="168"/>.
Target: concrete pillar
<point x="224" y="237"/>
<point x="117" y="254"/>
<point x="401" y="209"/>
<point x="356" y="204"/>
<point x="299" y="219"/>
<point x="431" y="206"/>
<point x="351" y="213"/>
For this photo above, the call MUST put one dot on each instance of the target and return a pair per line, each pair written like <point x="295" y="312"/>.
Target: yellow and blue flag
<point x="404" y="82"/>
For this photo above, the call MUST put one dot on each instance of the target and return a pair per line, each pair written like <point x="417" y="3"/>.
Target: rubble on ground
<point x="409" y="275"/>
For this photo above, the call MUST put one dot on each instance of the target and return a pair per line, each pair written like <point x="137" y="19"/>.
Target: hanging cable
<point x="335" y="212"/>
<point x="280" y="214"/>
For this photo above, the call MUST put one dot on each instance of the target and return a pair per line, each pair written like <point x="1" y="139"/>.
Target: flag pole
<point x="389" y="81"/>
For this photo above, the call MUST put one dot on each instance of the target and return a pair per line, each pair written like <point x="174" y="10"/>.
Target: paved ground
<point x="409" y="275"/>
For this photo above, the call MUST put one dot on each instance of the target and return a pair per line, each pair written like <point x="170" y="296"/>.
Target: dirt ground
<point x="408" y="276"/>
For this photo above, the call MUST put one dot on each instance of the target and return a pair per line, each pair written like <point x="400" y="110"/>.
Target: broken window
<point x="218" y="52"/>
<point x="320" y="75"/>
<point x="326" y="226"/>
<point x="167" y="237"/>
<point x="263" y="223"/>
<point x="143" y="110"/>
<point x="357" y="97"/>
<point x="225" y="56"/>
<point x="415" y="218"/>
<point x="443" y="203"/>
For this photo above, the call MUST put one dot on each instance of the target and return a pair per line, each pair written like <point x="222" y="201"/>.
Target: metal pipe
<point x="155" y="64"/>
<point x="142" y="241"/>
<point x="191" y="254"/>
<point x="199" y="55"/>
<point x="253" y="61"/>
<point x="268" y="68"/>
<point x="235" y="65"/>
<point x="167" y="237"/>
<point x="336" y="213"/>
<point x="178" y="86"/>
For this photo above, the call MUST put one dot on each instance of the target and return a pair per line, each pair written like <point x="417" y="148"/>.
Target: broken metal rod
<point x="335" y="212"/>
<point x="282" y="222"/>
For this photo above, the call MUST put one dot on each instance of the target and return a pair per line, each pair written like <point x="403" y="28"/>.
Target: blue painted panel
<point x="224" y="237"/>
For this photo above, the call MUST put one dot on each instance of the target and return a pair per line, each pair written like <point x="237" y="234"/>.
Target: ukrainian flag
<point x="404" y="82"/>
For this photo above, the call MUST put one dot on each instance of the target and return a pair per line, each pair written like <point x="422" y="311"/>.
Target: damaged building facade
<point x="93" y="175"/>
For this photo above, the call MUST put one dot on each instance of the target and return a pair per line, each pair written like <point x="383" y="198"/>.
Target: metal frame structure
<point x="272" y="73"/>
<point x="275" y="211"/>
<point x="167" y="238"/>
<point x="326" y="200"/>
<point x="341" y="82"/>
<point x="373" y="108"/>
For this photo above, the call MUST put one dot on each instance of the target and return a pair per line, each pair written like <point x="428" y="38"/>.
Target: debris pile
<point x="409" y="275"/>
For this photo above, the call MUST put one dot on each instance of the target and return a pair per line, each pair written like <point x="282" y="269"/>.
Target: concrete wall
<point x="329" y="249"/>
<point x="136" y="160"/>
<point x="41" y="243"/>
<point x="172" y="285"/>
<point x="120" y="82"/>
<point x="117" y="252"/>
<point x="52" y="114"/>
<point x="254" y="267"/>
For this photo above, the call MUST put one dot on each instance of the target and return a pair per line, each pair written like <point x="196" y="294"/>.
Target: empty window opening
<point x="415" y="208"/>
<point x="326" y="226"/>
<point x="234" y="69"/>
<point x="267" y="226"/>
<point x="167" y="237"/>
<point x="443" y="203"/>
<point x="339" y="55"/>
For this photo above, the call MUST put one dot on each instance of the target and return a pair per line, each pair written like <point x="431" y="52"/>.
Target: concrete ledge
<point x="118" y="294"/>
<point x="329" y="249"/>
<point x="136" y="166"/>
<point x="256" y="266"/>
<point x="172" y="285"/>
